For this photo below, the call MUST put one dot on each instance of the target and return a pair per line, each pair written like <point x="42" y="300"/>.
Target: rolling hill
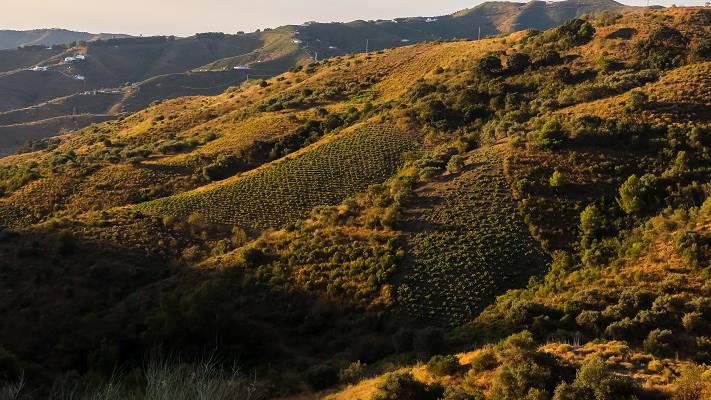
<point x="159" y="68"/>
<point x="521" y="216"/>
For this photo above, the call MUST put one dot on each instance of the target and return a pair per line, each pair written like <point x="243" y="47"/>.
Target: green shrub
<point x="691" y="385"/>
<point x="661" y="342"/>
<point x="557" y="179"/>
<point x="594" y="381"/>
<point x="443" y="365"/>
<point x="637" y="101"/>
<point x="518" y="62"/>
<point x="490" y="65"/>
<point x="520" y="380"/>
<point x="485" y="360"/>
<point x="352" y="373"/>
<point x="455" y="164"/>
<point x="635" y="194"/>
<point x="401" y="386"/>
<point x="664" y="48"/>
<point x="551" y="135"/>
<point x="591" y="222"/>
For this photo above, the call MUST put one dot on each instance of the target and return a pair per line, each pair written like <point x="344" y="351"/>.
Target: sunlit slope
<point x="287" y="190"/>
<point x="683" y="94"/>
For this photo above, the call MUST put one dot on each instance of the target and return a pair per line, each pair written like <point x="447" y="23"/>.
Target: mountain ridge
<point x="11" y="39"/>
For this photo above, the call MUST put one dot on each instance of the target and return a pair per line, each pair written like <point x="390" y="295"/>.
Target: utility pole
<point x="478" y="36"/>
<point x="367" y="44"/>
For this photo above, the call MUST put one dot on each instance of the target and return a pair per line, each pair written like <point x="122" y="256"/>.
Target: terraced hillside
<point x="371" y="212"/>
<point x="489" y="248"/>
<point x="286" y="191"/>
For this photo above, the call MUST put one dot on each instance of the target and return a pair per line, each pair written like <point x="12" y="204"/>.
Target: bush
<point x="691" y="385"/>
<point x="457" y="393"/>
<point x="490" y="65"/>
<point x="693" y="322"/>
<point x="485" y="360"/>
<point x="520" y="380"/>
<point x="519" y="346"/>
<point x="664" y="48"/>
<point x="518" y="62"/>
<point x="352" y="373"/>
<point x="551" y="135"/>
<point x="637" y="101"/>
<point x="591" y="320"/>
<point x="443" y="365"/>
<point x="591" y="222"/>
<point x="635" y="194"/>
<point x="401" y="386"/>
<point x="223" y="167"/>
<point x="576" y="32"/>
<point x="455" y="164"/>
<point x="557" y="179"/>
<point x="594" y="381"/>
<point x="661" y="342"/>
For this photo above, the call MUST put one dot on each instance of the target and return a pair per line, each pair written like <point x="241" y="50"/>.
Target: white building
<point x="298" y="41"/>
<point x="242" y="67"/>
<point x="69" y="59"/>
<point x="431" y="20"/>
<point x="79" y="77"/>
<point x="405" y="40"/>
<point x="80" y="57"/>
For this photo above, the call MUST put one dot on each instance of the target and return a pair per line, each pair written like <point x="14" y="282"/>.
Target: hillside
<point x="48" y="37"/>
<point x="161" y="68"/>
<point x="522" y="216"/>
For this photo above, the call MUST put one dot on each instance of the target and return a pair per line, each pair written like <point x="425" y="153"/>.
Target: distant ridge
<point x="10" y="39"/>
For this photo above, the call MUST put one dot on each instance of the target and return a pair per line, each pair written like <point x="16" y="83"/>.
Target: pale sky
<point x="186" y="17"/>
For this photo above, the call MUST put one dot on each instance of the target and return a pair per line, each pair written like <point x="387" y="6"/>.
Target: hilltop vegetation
<point x="525" y="216"/>
<point x="160" y="68"/>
